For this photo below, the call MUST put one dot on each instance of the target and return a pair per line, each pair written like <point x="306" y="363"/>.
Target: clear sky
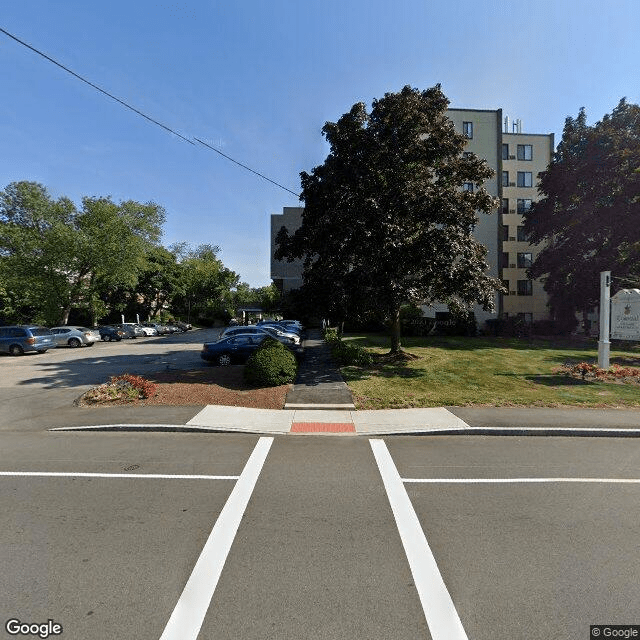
<point x="259" y="78"/>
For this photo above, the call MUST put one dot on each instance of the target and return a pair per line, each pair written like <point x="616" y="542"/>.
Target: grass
<point x="460" y="371"/>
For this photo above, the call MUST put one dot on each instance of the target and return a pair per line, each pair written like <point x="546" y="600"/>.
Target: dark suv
<point x="18" y="339"/>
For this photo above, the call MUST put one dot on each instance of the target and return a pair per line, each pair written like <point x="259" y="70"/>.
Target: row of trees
<point x="59" y="262"/>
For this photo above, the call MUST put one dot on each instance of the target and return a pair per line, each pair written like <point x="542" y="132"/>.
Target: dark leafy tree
<point x="588" y="218"/>
<point x="387" y="220"/>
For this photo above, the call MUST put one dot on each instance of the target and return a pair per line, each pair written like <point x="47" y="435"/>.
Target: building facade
<point x="516" y="158"/>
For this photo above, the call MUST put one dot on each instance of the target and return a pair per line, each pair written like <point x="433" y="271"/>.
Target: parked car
<point x="18" y="339"/>
<point x="185" y="326"/>
<point x="69" y="336"/>
<point x="231" y="349"/>
<point x="136" y="328"/>
<point x="291" y="342"/>
<point x="160" y="328"/>
<point x="126" y="330"/>
<point x="147" y="331"/>
<point x="278" y="331"/>
<point x="108" y="333"/>
<point x="174" y="328"/>
<point x="262" y="330"/>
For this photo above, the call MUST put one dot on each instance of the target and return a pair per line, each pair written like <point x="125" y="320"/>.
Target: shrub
<point x="135" y="386"/>
<point x="347" y="353"/>
<point x="331" y="335"/>
<point x="271" y="365"/>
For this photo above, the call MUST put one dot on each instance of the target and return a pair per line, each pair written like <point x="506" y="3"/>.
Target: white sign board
<point x="625" y="315"/>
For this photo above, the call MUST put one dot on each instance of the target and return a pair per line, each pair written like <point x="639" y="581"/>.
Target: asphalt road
<point x="320" y="537"/>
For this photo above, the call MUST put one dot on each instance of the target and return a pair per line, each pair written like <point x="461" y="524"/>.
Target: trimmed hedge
<point x="271" y="365"/>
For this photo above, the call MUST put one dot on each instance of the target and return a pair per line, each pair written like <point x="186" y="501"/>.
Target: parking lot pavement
<point x="237" y="536"/>
<point x="37" y="390"/>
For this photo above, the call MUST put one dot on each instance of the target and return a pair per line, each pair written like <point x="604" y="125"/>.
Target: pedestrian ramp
<point x="281" y="421"/>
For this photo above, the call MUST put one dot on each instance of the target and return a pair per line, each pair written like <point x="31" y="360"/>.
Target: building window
<point x="504" y="232"/>
<point x="525" y="152"/>
<point x="468" y="186"/>
<point x="525" y="288"/>
<point x="527" y="318"/>
<point x="524" y="204"/>
<point x="505" y="205"/>
<point x="524" y="260"/>
<point x="504" y="261"/>
<point x="521" y="235"/>
<point x="505" y="178"/>
<point x="505" y="284"/>
<point x="525" y="179"/>
<point x="467" y="130"/>
<point x="505" y="151"/>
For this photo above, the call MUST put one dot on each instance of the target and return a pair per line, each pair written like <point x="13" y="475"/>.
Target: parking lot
<point x="34" y="384"/>
<point x="191" y="536"/>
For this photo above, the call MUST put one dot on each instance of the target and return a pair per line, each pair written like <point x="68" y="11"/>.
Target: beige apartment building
<point x="517" y="159"/>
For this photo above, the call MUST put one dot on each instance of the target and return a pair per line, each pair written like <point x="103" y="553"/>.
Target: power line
<point x="244" y="166"/>
<point x="140" y="113"/>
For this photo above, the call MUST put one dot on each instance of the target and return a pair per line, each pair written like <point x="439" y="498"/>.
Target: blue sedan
<point x="232" y="349"/>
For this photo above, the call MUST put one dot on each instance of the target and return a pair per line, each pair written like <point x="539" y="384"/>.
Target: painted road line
<point x="439" y="610"/>
<point x="187" y="617"/>
<point x="517" y="480"/>
<point x="146" y="476"/>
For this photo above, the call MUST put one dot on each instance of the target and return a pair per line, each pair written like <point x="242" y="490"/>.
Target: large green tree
<point x="588" y="218"/>
<point x="387" y="218"/>
<point x="205" y="283"/>
<point x="55" y="257"/>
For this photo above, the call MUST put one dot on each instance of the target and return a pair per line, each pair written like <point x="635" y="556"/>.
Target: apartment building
<point x="524" y="156"/>
<point x="517" y="159"/>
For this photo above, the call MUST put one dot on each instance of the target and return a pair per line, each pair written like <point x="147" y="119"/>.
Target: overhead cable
<point x="140" y="113"/>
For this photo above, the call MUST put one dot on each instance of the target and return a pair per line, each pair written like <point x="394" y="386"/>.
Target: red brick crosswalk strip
<point x="323" y="427"/>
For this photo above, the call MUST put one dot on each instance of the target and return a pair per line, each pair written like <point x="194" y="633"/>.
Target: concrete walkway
<point x="319" y="384"/>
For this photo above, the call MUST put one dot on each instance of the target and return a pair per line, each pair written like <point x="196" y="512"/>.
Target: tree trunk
<point x="65" y="316"/>
<point x="396" y="347"/>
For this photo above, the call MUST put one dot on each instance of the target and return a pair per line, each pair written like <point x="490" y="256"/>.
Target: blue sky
<point x="259" y="78"/>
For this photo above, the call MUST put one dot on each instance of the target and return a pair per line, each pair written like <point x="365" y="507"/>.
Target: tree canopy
<point x="589" y="214"/>
<point x="104" y="258"/>
<point x="387" y="219"/>
<point x="56" y="257"/>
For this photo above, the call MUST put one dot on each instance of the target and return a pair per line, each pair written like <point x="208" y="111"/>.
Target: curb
<point x="583" y="432"/>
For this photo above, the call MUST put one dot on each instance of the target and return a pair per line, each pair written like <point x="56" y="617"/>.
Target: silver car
<point x="75" y="336"/>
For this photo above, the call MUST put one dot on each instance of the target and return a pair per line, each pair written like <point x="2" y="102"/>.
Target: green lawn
<point x="459" y="371"/>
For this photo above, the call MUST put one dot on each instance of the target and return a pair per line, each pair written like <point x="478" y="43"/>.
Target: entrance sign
<point x="625" y="315"/>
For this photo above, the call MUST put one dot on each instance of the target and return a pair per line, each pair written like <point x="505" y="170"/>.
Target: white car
<point x="75" y="336"/>
<point x="148" y="331"/>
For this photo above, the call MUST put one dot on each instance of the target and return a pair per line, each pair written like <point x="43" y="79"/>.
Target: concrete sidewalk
<point x="319" y="384"/>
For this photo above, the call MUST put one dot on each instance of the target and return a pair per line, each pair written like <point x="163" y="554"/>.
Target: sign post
<point x="604" y="345"/>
